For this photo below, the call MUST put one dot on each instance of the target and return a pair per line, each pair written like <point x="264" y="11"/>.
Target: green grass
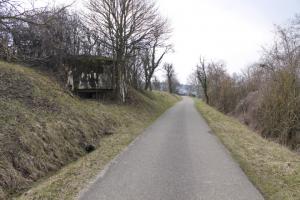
<point x="43" y="129"/>
<point x="274" y="169"/>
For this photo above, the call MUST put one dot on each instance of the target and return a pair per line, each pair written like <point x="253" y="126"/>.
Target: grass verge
<point x="69" y="181"/>
<point x="274" y="169"/>
<point x="45" y="130"/>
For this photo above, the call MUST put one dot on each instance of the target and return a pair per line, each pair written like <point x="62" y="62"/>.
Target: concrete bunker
<point x="90" y="76"/>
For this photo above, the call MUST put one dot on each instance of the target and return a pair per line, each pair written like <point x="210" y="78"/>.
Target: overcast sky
<point x="230" y="30"/>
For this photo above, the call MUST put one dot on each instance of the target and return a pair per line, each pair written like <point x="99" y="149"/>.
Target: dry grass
<point x="69" y="181"/>
<point x="43" y="128"/>
<point x="274" y="169"/>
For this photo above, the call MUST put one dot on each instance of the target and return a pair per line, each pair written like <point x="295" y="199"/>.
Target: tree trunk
<point x="120" y="82"/>
<point x="206" y="98"/>
<point x="170" y="85"/>
<point x="148" y="84"/>
<point x="205" y="90"/>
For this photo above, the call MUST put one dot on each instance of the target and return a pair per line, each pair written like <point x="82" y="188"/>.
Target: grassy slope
<point x="274" y="169"/>
<point x="43" y="128"/>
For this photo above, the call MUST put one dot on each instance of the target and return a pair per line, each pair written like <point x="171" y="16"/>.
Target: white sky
<point x="230" y="30"/>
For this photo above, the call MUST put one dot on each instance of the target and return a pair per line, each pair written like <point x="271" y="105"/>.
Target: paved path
<point x="177" y="158"/>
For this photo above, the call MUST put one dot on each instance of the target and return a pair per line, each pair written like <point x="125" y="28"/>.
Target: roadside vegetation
<point x="133" y="34"/>
<point x="266" y="96"/>
<point x="273" y="168"/>
<point x="43" y="128"/>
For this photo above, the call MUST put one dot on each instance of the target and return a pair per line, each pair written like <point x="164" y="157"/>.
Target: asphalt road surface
<point x="177" y="158"/>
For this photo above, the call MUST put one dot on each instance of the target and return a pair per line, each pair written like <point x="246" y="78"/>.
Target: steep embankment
<point x="43" y="128"/>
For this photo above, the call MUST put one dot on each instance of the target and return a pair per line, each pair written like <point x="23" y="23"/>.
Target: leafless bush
<point x="274" y="83"/>
<point x="280" y="108"/>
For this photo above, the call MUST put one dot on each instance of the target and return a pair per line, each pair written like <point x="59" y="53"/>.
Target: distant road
<point x="177" y="158"/>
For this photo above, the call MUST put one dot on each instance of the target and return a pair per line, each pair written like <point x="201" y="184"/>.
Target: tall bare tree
<point x="155" y="51"/>
<point x="123" y="25"/>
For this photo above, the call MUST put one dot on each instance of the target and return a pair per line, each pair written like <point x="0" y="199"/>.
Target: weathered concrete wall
<point x="90" y="74"/>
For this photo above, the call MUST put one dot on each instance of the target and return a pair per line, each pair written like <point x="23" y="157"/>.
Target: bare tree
<point x="266" y="96"/>
<point x="279" y="109"/>
<point x="156" y="50"/>
<point x="201" y="72"/>
<point x="11" y="11"/>
<point x="49" y="44"/>
<point x="123" y="25"/>
<point x="170" y="73"/>
<point x="21" y="29"/>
